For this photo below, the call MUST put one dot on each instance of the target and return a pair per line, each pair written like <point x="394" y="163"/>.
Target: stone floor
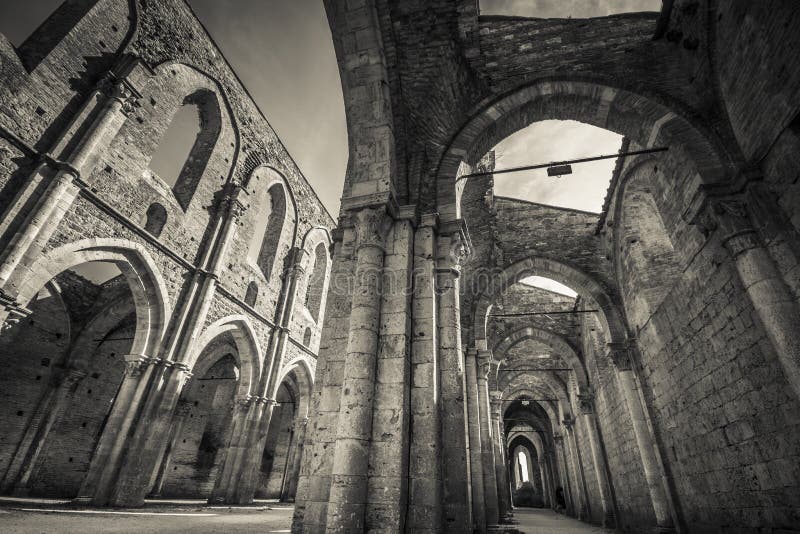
<point x="541" y="521"/>
<point x="195" y="516"/>
<point x="162" y="517"/>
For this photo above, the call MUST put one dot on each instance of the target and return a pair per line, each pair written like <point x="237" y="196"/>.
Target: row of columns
<point x="132" y="454"/>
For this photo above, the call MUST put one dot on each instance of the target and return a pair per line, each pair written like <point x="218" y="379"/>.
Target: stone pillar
<point x="620" y="354"/>
<point x="241" y="421"/>
<point x="348" y="491"/>
<point x="487" y="448"/>
<point x="425" y="469"/>
<point x="475" y="450"/>
<point x="48" y="410"/>
<point x="175" y="433"/>
<point x="49" y="209"/>
<point x="545" y="482"/>
<point x="563" y="469"/>
<point x="771" y="297"/>
<point x="99" y="481"/>
<point x="550" y="465"/>
<point x="578" y="487"/>
<point x="146" y="448"/>
<point x="452" y="248"/>
<point x="501" y="473"/>
<point x="387" y="497"/>
<point x="293" y="474"/>
<point x="586" y="403"/>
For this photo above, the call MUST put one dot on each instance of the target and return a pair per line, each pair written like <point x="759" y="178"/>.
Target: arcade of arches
<point x="211" y="334"/>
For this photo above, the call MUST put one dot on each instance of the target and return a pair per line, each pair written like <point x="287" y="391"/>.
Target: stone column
<point x="387" y="497"/>
<point x="348" y="492"/>
<point x="146" y="448"/>
<point x="175" y="433"/>
<point x="49" y="209"/>
<point x="240" y="425"/>
<point x="475" y="450"/>
<point x="584" y="512"/>
<point x="586" y="403"/>
<point x="620" y="354"/>
<point x="487" y="448"/>
<point x="550" y="466"/>
<point x="452" y="248"/>
<point x="48" y="410"/>
<point x="99" y="481"/>
<point x="564" y="471"/>
<point x="545" y="482"/>
<point x="771" y="297"/>
<point x="290" y="484"/>
<point x="501" y="473"/>
<point x="425" y="468"/>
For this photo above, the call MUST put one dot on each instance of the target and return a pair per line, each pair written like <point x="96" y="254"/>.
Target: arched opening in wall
<point x="526" y="422"/>
<point x="565" y="8"/>
<point x="268" y="229"/>
<point x="557" y="140"/>
<point x="17" y="25"/>
<point x="648" y="266"/>
<point x="155" y="219"/>
<point x="186" y="145"/>
<point x="307" y="337"/>
<point x="280" y="462"/>
<point x="63" y="366"/>
<point x="275" y="462"/>
<point x="251" y="295"/>
<point x="316" y="282"/>
<point x="201" y="424"/>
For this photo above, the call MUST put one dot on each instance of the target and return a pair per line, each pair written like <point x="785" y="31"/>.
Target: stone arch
<point x="561" y="346"/>
<point x="521" y="392"/>
<point x="304" y="376"/>
<point x="248" y="353"/>
<point x="610" y="317"/>
<point x="649" y="119"/>
<point x="150" y="295"/>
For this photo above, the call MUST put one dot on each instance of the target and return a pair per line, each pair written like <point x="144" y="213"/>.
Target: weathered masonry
<point x="668" y="396"/>
<point x="193" y="326"/>
<point x="160" y="328"/>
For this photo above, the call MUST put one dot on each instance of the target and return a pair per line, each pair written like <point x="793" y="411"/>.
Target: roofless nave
<point x="210" y="334"/>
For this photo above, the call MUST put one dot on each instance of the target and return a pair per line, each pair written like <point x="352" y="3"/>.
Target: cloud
<point x="566" y="8"/>
<point x="552" y="140"/>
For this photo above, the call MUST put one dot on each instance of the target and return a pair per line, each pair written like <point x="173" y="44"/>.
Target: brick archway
<point x="610" y="316"/>
<point x="598" y="103"/>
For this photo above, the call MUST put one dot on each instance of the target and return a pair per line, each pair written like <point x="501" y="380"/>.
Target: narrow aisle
<point x="546" y="521"/>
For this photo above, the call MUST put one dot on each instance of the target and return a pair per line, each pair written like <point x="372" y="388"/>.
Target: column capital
<point x="454" y="246"/>
<point x="558" y="438"/>
<point x="722" y="208"/>
<point x="586" y="403"/>
<point x="568" y="422"/>
<point x="232" y="201"/>
<point x="484" y="360"/>
<point x="371" y="226"/>
<point x="135" y="364"/>
<point x="120" y="90"/>
<point x="620" y="354"/>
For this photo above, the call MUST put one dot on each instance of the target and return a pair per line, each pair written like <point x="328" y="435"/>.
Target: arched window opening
<point x="156" y="218"/>
<point x="316" y="282"/>
<point x="264" y="246"/>
<point x="186" y="146"/>
<point x="546" y="9"/>
<point x="307" y="337"/>
<point x="251" y="295"/>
